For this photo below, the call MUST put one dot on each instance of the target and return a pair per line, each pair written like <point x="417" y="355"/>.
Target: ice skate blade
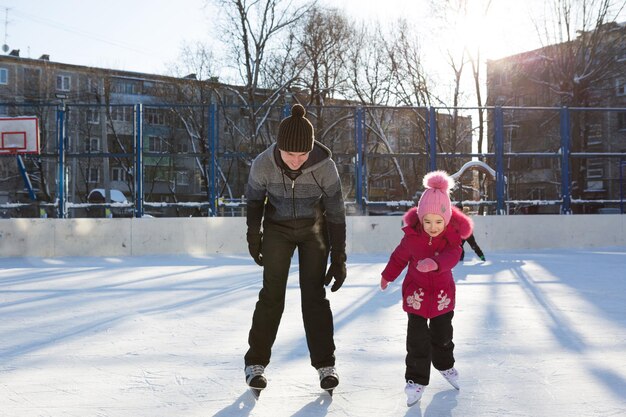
<point x="256" y="392"/>
<point x="413" y="403"/>
<point x="329" y="391"/>
<point x="454" y="385"/>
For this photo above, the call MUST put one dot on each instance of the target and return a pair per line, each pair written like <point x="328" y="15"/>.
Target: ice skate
<point x="452" y="376"/>
<point x="413" y="393"/>
<point x="328" y="378"/>
<point x="255" y="379"/>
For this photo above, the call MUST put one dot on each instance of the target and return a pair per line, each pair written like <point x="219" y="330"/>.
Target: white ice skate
<point x="255" y="379"/>
<point x="328" y="378"/>
<point x="452" y="376"/>
<point x="413" y="393"/>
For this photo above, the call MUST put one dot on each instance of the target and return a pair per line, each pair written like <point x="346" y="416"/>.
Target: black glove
<point x="337" y="270"/>
<point x="255" y="243"/>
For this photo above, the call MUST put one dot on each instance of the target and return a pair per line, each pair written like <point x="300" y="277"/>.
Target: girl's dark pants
<point x="279" y="244"/>
<point x="428" y="341"/>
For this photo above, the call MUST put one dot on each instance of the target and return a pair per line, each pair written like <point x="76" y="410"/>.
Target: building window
<point x="620" y="87"/>
<point x="32" y="81"/>
<point x="93" y="116"/>
<point x="156" y="144"/>
<point x="63" y="82"/>
<point x="537" y="194"/>
<point x="595" y="169"/>
<point x="92" y="145"/>
<point x="4" y="76"/>
<point x="594" y="134"/>
<point x="595" y="186"/>
<point x="121" y="113"/>
<point x="125" y="87"/>
<point x="155" y="116"/>
<point x="182" y="178"/>
<point x="118" y="174"/>
<point x="93" y="175"/>
<point x="92" y="86"/>
<point x="621" y="120"/>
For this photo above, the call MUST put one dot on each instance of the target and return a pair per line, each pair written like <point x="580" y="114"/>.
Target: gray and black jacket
<point x="277" y="195"/>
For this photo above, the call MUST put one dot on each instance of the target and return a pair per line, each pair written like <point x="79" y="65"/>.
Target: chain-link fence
<point x="186" y="160"/>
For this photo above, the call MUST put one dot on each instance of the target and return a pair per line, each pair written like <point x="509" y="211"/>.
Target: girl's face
<point x="294" y="160"/>
<point x="433" y="224"/>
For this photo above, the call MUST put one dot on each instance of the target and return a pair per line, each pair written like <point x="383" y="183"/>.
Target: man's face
<point x="294" y="160"/>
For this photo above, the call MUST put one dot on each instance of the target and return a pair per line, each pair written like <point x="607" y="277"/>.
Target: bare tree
<point x="578" y="57"/>
<point x="251" y="29"/>
<point x="578" y="64"/>
<point x="323" y="42"/>
<point x="321" y="45"/>
<point x="373" y="76"/>
<point x="411" y="86"/>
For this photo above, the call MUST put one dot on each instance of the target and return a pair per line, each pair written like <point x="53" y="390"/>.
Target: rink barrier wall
<point x="226" y="235"/>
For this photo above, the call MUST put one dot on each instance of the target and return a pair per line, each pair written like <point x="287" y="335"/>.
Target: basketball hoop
<point x="19" y="135"/>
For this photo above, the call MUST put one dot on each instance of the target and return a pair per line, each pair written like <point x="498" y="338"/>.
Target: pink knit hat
<point x="435" y="199"/>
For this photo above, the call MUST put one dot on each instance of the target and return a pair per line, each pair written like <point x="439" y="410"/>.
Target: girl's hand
<point x="427" y="265"/>
<point x="383" y="283"/>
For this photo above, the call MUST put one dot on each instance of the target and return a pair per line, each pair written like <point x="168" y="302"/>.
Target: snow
<point x="116" y="195"/>
<point x="536" y="333"/>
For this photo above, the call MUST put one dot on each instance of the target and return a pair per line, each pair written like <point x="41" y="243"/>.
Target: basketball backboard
<point x="19" y="135"/>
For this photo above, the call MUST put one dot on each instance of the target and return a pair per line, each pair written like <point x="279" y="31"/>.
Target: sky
<point x="147" y="35"/>
<point x="536" y="333"/>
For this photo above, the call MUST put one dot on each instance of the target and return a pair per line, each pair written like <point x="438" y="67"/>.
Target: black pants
<point x="428" y="341"/>
<point x="472" y="242"/>
<point x="279" y="244"/>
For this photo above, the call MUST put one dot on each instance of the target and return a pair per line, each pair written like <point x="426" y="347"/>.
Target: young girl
<point x="431" y="247"/>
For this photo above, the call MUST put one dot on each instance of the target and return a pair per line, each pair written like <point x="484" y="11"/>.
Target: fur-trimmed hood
<point x="459" y="222"/>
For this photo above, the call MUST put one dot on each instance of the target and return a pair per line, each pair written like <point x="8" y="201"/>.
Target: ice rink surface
<point x="537" y="334"/>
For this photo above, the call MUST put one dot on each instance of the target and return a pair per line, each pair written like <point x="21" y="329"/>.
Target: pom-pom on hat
<point x="435" y="199"/>
<point x="295" y="133"/>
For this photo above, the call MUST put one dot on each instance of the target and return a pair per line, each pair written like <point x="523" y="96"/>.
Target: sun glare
<point x="505" y="28"/>
<point x="498" y="32"/>
<point x="483" y="33"/>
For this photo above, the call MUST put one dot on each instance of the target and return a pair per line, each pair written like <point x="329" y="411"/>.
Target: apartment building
<point x="588" y="77"/>
<point x="100" y="108"/>
<point x="197" y="140"/>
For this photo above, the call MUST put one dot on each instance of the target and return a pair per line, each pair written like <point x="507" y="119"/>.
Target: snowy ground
<point x="537" y="334"/>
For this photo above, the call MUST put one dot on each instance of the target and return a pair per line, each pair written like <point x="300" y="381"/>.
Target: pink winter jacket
<point x="428" y="294"/>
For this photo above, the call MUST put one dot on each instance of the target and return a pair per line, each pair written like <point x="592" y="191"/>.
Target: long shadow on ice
<point x="51" y="311"/>
<point x="316" y="408"/>
<point x="442" y="404"/>
<point x="241" y="407"/>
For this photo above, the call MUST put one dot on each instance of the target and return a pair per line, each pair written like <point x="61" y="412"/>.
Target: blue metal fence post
<point x="139" y="160"/>
<point x="26" y="178"/>
<point x="61" y="210"/>
<point x="499" y="150"/>
<point x="213" y="164"/>
<point x="358" y="164"/>
<point x="566" y="192"/>
<point x="432" y="138"/>
<point x="622" y="166"/>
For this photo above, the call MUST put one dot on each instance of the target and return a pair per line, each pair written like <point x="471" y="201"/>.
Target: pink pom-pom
<point x="438" y="180"/>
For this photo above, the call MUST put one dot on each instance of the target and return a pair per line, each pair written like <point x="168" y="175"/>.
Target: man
<point x="471" y="239"/>
<point x="294" y="193"/>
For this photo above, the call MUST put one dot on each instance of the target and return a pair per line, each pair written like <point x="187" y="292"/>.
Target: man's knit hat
<point x="295" y="133"/>
<point x="435" y="199"/>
